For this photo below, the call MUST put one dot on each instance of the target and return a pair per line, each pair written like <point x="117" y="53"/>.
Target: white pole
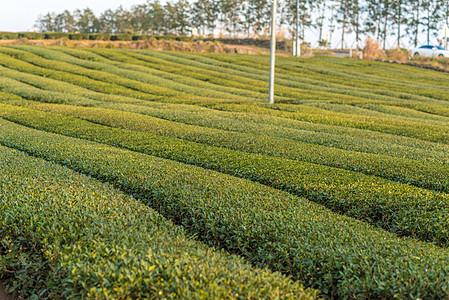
<point x="298" y="43"/>
<point x="446" y="28"/>
<point x="445" y="36"/>
<point x="272" y="50"/>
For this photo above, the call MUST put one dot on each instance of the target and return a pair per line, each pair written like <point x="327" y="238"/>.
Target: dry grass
<point x="373" y="50"/>
<point x="399" y="54"/>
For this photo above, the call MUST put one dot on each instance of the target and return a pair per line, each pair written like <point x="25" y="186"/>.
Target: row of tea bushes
<point x="76" y="94"/>
<point x="344" y="258"/>
<point x="299" y="77"/>
<point x="257" y="74"/>
<point x="334" y="136"/>
<point x="426" y="132"/>
<point x="219" y="78"/>
<point x="355" y="140"/>
<point x="422" y="173"/>
<point x="71" y="72"/>
<point x="408" y="171"/>
<point x="362" y="76"/>
<point x="30" y="92"/>
<point x="179" y="79"/>
<point x="402" y="127"/>
<point x="143" y="82"/>
<point x="399" y="208"/>
<point x="64" y="58"/>
<point x="27" y="63"/>
<point x="65" y="235"/>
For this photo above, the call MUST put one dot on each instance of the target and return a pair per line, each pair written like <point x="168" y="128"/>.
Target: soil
<point x="3" y="294"/>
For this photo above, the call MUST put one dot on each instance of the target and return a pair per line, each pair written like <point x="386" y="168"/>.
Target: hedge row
<point x="321" y="79"/>
<point x="142" y="81"/>
<point x="299" y="74"/>
<point x="81" y="96"/>
<point x="217" y="78"/>
<point x="306" y="132"/>
<point x="408" y="171"/>
<point x="399" y="208"/>
<point x="294" y="79"/>
<point x="413" y="129"/>
<point x="66" y="235"/>
<point x="177" y="77"/>
<point x="112" y="87"/>
<point x="286" y="92"/>
<point x="356" y="74"/>
<point x="80" y="80"/>
<point x="430" y="96"/>
<point x="341" y="256"/>
<point x="427" y="131"/>
<point x="339" y="137"/>
<point x="424" y="174"/>
<point x="88" y="36"/>
<point x="209" y="76"/>
<point x="146" y="90"/>
<point x="416" y="130"/>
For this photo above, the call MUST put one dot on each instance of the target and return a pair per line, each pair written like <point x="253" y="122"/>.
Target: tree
<point x="140" y="18"/>
<point x="107" y="22"/>
<point x="261" y="11"/>
<point x="182" y="20"/>
<point x="354" y="10"/>
<point x="66" y="22"/>
<point x="169" y="18"/>
<point x="247" y="17"/>
<point x="415" y="21"/>
<point x="230" y="15"/>
<point x="373" y="17"/>
<point x="156" y="13"/>
<point x="46" y="23"/>
<point x="86" y="21"/>
<point x="342" y="18"/>
<point x="305" y="15"/>
<point x="400" y="11"/>
<point x="433" y="14"/>
<point x="379" y="15"/>
<point x="123" y="20"/>
<point x="386" y="15"/>
<point x="320" y="19"/>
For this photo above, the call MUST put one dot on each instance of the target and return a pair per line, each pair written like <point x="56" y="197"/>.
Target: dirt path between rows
<point x="3" y="294"/>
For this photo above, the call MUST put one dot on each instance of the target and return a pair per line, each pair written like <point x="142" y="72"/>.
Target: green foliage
<point x="396" y="207"/>
<point x="320" y="186"/>
<point x="85" y="36"/>
<point x="334" y="253"/>
<point x="66" y="235"/>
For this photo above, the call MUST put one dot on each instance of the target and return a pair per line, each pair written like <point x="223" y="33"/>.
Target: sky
<point x="21" y="15"/>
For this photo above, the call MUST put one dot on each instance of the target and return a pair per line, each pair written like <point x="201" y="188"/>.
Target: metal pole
<point x="272" y="51"/>
<point x="298" y="44"/>
<point x="445" y="34"/>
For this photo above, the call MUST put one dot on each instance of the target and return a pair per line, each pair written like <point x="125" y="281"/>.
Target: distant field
<point x="136" y="173"/>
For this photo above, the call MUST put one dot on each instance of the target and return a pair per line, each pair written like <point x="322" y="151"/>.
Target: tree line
<point x="403" y="20"/>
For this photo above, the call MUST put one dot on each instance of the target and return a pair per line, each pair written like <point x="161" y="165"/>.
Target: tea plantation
<point x="165" y="175"/>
